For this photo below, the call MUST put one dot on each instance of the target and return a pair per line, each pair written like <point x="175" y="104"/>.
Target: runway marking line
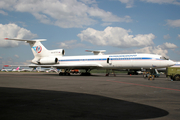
<point x="143" y="85"/>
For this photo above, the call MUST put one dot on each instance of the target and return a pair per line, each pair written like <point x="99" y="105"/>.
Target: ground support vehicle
<point x="151" y="74"/>
<point x="173" y="73"/>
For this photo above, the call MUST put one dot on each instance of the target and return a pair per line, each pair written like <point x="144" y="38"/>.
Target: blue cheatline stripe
<point x="103" y="59"/>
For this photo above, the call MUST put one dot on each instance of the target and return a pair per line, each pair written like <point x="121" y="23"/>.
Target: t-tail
<point x="17" y="68"/>
<point x="41" y="54"/>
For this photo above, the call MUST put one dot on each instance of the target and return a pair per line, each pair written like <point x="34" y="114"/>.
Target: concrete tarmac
<point x="48" y="96"/>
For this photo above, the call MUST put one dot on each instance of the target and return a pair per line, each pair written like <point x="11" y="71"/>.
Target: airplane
<point x="16" y="70"/>
<point x="6" y="70"/>
<point x="51" y="70"/>
<point x="27" y="69"/>
<point x="39" y="69"/>
<point x="55" y="59"/>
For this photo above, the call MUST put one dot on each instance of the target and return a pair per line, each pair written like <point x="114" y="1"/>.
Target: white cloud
<point x="106" y="24"/>
<point x="88" y="1"/>
<point x="175" y="2"/>
<point x="153" y="50"/>
<point x="178" y="36"/>
<point x="16" y="56"/>
<point x="12" y="30"/>
<point x="70" y="44"/>
<point x="64" y="13"/>
<point x="2" y="12"/>
<point x="166" y="37"/>
<point x="129" y="3"/>
<point x="149" y="50"/>
<point x="173" y="23"/>
<point x="168" y="46"/>
<point x="116" y="36"/>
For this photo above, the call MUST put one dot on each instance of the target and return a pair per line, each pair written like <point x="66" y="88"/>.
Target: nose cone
<point x="171" y="63"/>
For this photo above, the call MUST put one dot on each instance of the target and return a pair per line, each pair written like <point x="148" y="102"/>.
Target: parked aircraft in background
<point x="16" y="70"/>
<point x="52" y="70"/>
<point x="56" y="59"/>
<point x="27" y="69"/>
<point x="39" y="69"/>
<point x="6" y="70"/>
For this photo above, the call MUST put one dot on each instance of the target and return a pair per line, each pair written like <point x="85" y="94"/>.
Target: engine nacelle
<point x="48" y="60"/>
<point x="57" y="52"/>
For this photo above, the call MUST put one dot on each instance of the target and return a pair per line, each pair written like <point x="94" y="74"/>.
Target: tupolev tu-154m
<point x="55" y="59"/>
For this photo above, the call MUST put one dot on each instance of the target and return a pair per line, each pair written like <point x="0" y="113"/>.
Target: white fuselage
<point x="127" y="61"/>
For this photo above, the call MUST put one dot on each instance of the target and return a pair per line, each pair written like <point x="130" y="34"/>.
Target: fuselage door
<point x="109" y="61"/>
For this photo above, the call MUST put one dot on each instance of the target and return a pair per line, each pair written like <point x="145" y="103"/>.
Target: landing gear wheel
<point x="64" y="74"/>
<point x="85" y="74"/>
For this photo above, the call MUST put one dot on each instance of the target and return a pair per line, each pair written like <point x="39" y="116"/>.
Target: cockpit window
<point x="164" y="58"/>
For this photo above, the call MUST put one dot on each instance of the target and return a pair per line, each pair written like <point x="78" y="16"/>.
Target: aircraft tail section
<point x="37" y="48"/>
<point x="41" y="54"/>
<point x="17" y="68"/>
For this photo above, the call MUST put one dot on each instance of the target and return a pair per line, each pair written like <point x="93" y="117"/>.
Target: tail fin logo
<point x="37" y="49"/>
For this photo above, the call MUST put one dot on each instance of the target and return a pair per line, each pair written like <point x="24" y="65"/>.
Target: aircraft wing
<point x="64" y="66"/>
<point x="70" y="66"/>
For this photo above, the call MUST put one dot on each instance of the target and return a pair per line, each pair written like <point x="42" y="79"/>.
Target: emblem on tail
<point x="37" y="49"/>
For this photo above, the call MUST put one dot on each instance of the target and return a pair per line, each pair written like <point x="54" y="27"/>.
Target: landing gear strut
<point x="87" y="73"/>
<point x="108" y="72"/>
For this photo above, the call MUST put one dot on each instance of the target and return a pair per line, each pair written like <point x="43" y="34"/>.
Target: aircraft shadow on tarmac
<point x="16" y="103"/>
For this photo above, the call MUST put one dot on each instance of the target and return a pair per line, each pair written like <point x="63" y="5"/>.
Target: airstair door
<point x="109" y="61"/>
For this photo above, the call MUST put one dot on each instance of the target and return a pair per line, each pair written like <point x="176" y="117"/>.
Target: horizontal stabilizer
<point x="28" y="41"/>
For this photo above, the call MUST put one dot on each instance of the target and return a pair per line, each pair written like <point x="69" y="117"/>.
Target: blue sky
<point x="117" y="26"/>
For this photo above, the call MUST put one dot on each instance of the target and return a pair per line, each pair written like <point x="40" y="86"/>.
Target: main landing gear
<point x="108" y="72"/>
<point x="64" y="73"/>
<point x="67" y="73"/>
<point x="87" y="73"/>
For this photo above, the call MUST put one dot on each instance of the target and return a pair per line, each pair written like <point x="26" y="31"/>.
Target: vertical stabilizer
<point x="37" y="48"/>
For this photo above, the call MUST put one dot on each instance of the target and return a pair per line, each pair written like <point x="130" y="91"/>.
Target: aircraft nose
<point x="171" y="63"/>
